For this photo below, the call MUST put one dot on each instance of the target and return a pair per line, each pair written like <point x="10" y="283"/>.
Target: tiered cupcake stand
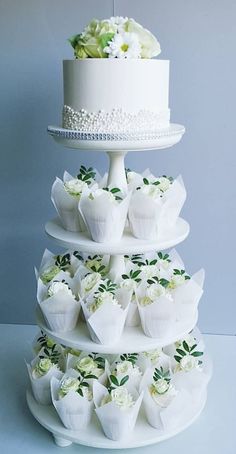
<point x="133" y="338"/>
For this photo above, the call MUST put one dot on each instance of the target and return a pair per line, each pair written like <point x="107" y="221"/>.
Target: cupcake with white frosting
<point x="40" y="371"/>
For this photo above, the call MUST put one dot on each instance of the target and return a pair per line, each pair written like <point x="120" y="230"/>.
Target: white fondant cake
<point x="116" y="95"/>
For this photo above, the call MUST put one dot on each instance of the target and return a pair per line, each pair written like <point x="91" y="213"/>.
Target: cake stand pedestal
<point x="133" y="338"/>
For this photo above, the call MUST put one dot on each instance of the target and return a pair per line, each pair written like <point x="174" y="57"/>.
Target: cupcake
<point x="40" y="371"/>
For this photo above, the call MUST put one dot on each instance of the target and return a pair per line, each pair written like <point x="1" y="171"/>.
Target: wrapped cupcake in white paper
<point x="155" y="206"/>
<point x="40" y="371"/>
<point x="104" y="212"/>
<point x="192" y="338"/>
<point x="58" y="304"/>
<point x="88" y="282"/>
<point x="165" y="405"/>
<point x="116" y="410"/>
<point x="156" y="310"/>
<point x="73" y="400"/>
<point x="45" y="347"/>
<point x="105" y="312"/>
<point x="65" y="197"/>
<point x="192" y="369"/>
<point x="97" y="263"/>
<point x="89" y="363"/>
<point x="186" y="292"/>
<point x="126" y="365"/>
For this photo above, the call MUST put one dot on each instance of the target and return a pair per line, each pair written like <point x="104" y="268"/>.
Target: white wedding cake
<point x="114" y="85"/>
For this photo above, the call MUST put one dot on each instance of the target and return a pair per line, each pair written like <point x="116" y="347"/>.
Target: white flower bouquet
<point x="126" y="364"/>
<point x="117" y="37"/>
<point x="104" y="212"/>
<point x="117" y="408"/>
<point x="40" y="371"/>
<point x="165" y="405"/>
<point x="73" y="400"/>
<point x="155" y="206"/>
<point x="89" y="363"/>
<point x="58" y="303"/>
<point x="105" y="312"/>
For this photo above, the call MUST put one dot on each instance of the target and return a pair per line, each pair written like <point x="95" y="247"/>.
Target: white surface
<point x="163" y="139"/>
<point x="133" y="339"/>
<point x="213" y="432"/>
<point x="142" y="435"/>
<point x="127" y="245"/>
<point x="97" y="84"/>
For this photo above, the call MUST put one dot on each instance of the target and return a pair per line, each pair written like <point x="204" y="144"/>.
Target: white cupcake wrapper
<point x="150" y="218"/>
<point x="42" y="289"/>
<point x="188" y="295"/>
<point x="116" y="424"/>
<point x="173" y="201"/>
<point x="66" y="207"/>
<point x="104" y="219"/>
<point x="195" y="381"/>
<point x="158" y="318"/>
<point x="61" y="312"/>
<point x="106" y="324"/>
<point x="41" y="386"/>
<point x="145" y="363"/>
<point x="133" y="317"/>
<point x="74" y="410"/>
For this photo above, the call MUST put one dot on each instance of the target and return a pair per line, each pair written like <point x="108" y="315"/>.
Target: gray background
<point x="199" y="39"/>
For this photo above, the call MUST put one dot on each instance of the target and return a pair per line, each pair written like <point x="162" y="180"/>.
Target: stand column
<point x="116" y="173"/>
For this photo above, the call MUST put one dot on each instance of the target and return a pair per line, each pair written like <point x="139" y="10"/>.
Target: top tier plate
<point x="142" y="141"/>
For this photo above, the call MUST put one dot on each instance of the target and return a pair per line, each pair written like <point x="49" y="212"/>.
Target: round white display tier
<point x="133" y="338"/>
<point x="142" y="141"/>
<point x="127" y="245"/>
<point x="142" y="435"/>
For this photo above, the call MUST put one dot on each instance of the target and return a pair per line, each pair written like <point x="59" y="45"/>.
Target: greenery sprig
<point x="114" y="381"/>
<point x="98" y="359"/>
<point x="133" y="274"/>
<point x="108" y="286"/>
<point x="51" y="353"/>
<point x="78" y="256"/>
<point x="163" y="256"/>
<point x="136" y="259"/>
<point x="187" y="350"/>
<point x="161" y="374"/>
<point x="86" y="174"/>
<point x="63" y="261"/>
<point x="131" y="357"/>
<point x="114" y="192"/>
<point x="82" y="382"/>
<point x="177" y="272"/>
<point x="156" y="280"/>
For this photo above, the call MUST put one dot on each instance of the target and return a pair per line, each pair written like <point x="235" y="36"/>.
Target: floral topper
<point x="117" y="37"/>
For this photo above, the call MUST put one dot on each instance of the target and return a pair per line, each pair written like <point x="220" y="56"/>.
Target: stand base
<point x="143" y="434"/>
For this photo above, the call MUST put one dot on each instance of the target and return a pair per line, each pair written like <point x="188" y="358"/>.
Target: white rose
<point x="145" y="301"/>
<point x="49" y="273"/>
<point x="99" y="192"/>
<point x="153" y="355"/>
<point x="121" y="397"/>
<point x="150" y="47"/>
<point x="148" y="271"/>
<point x="188" y="362"/>
<point x="89" y="366"/>
<point x="103" y="297"/>
<point x="154" y="291"/>
<point x="176" y="281"/>
<point x="56" y="287"/>
<point x="151" y="190"/>
<point x="163" y="399"/>
<point x="89" y="282"/>
<point x="94" y="263"/>
<point x="165" y="264"/>
<point x="124" y="367"/>
<point x="128" y="284"/>
<point x="164" y="183"/>
<point x="75" y="187"/>
<point x="42" y="367"/>
<point x="68" y="384"/>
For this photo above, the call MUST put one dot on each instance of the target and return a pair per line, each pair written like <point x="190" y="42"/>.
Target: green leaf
<point x="124" y="276"/>
<point x="186" y="347"/>
<point x="145" y="180"/>
<point x="79" y="390"/>
<point x="105" y="38"/>
<point x="177" y="358"/>
<point x="197" y="353"/>
<point x="181" y="352"/>
<point x="114" y="190"/>
<point x="124" y="380"/>
<point x="74" y="40"/>
<point x="114" y="380"/>
<point x="135" y="274"/>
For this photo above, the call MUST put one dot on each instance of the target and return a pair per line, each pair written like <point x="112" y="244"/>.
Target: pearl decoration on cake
<point x="115" y="121"/>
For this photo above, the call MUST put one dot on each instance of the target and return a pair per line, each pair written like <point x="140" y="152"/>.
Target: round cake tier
<point x="141" y="141"/>
<point x="142" y="435"/>
<point x="133" y="338"/>
<point x="127" y="245"/>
